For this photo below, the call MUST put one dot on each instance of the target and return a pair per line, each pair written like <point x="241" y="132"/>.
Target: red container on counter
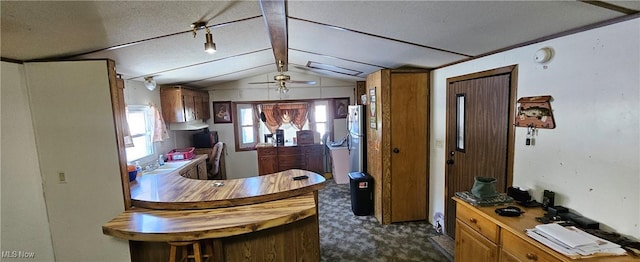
<point x="181" y="154"/>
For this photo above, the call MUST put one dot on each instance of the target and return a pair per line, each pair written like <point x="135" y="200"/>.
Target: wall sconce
<point x="209" y="45"/>
<point x="150" y="83"/>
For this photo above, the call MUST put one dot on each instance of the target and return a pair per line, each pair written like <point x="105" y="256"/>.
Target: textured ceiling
<point x="154" y="38"/>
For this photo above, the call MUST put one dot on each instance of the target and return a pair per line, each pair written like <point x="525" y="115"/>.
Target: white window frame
<point x="239" y="126"/>
<point x="148" y="126"/>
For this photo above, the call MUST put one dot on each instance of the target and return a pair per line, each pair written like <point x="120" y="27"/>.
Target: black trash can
<point x="361" y="186"/>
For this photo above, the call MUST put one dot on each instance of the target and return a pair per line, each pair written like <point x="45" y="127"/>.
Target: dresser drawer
<point x="287" y="162"/>
<point x="523" y="250"/>
<point x="267" y="150"/>
<point x="474" y="220"/>
<point x="310" y="150"/>
<point x="289" y="150"/>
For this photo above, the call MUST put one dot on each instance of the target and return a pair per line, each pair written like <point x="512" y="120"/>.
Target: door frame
<point x="512" y="70"/>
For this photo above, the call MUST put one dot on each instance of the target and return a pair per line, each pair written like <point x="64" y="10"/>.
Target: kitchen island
<point x="272" y="217"/>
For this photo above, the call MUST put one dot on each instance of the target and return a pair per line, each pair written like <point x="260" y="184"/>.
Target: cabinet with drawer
<point x="276" y="159"/>
<point x="483" y="235"/>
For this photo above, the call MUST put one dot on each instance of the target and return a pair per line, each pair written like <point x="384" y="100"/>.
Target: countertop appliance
<point x="205" y="139"/>
<point x="357" y="141"/>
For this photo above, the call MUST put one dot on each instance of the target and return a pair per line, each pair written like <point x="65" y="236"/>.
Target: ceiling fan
<point x="281" y="79"/>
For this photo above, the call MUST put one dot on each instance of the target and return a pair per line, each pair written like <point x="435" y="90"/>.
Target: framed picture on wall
<point x="340" y="107"/>
<point x="222" y="112"/>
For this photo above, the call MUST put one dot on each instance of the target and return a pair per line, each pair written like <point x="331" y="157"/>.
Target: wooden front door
<point x="409" y="154"/>
<point x="479" y="134"/>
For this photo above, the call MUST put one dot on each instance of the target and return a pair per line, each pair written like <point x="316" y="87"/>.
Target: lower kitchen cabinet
<point x="197" y="169"/>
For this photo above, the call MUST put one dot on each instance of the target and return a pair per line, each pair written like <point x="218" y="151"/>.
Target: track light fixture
<point x="209" y="45"/>
<point x="150" y="83"/>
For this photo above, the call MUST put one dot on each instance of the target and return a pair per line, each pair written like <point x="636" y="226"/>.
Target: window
<point x="246" y="126"/>
<point x="139" y="119"/>
<point x="321" y="113"/>
<point x="250" y="130"/>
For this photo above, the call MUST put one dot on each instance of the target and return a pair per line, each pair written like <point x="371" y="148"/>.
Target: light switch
<point x="62" y="178"/>
<point x="439" y="143"/>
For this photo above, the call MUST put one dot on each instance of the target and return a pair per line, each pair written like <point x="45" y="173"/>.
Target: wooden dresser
<point x="482" y="235"/>
<point x="281" y="158"/>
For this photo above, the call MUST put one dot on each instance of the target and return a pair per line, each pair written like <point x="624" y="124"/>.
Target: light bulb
<point x="150" y="83"/>
<point x="209" y="45"/>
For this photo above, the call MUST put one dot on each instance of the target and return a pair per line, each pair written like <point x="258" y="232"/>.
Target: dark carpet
<point x="347" y="237"/>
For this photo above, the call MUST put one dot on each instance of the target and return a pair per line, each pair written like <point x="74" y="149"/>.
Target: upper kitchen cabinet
<point x="181" y="104"/>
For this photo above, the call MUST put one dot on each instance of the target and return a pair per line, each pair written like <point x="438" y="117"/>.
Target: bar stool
<point x="196" y="254"/>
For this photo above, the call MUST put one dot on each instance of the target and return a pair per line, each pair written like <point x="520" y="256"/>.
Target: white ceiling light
<point x="282" y="88"/>
<point x="150" y="83"/>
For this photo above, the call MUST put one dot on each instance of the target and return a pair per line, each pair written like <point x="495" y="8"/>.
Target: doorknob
<point x="396" y="150"/>
<point x="450" y="160"/>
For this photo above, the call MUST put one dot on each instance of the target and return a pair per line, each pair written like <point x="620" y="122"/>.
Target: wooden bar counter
<point x="270" y="217"/>
<point x="171" y="191"/>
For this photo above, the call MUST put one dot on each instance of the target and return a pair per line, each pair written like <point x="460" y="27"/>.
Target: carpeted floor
<point x="346" y="237"/>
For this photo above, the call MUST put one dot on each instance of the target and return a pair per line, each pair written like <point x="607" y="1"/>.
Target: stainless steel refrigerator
<point x="356" y="122"/>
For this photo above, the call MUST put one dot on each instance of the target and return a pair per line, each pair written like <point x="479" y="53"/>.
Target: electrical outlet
<point x="62" y="178"/>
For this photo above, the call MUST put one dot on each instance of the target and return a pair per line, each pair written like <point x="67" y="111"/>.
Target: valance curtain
<point x="295" y="114"/>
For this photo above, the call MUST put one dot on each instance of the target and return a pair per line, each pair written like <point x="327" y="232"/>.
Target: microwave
<point x="205" y="139"/>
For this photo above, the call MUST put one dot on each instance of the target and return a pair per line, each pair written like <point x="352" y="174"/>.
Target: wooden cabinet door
<point x="267" y="160"/>
<point x="315" y="158"/>
<point x="201" y="170"/>
<point x="508" y="257"/>
<point x="171" y="103"/>
<point x="471" y="246"/>
<point x="204" y="107"/>
<point x="189" y="107"/>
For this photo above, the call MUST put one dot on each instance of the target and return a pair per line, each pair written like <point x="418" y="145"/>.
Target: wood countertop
<point x="172" y="191"/>
<point x="185" y="225"/>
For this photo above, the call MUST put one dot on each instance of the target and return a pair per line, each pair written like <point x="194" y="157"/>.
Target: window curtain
<point x="295" y="114"/>
<point x="159" y="128"/>
<point x="271" y="118"/>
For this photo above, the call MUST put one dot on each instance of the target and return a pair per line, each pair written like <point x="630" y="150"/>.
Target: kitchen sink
<point x="168" y="167"/>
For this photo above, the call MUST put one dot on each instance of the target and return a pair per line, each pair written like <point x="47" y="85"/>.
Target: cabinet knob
<point x="396" y="150"/>
<point x="473" y="220"/>
<point x="531" y="256"/>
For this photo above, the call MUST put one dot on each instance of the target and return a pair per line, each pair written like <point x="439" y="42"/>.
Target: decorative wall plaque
<point x="535" y="112"/>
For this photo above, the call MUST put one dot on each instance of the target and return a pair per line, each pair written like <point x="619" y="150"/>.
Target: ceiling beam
<point x="275" y="19"/>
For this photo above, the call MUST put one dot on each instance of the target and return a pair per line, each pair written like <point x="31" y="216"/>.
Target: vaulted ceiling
<point x="344" y="40"/>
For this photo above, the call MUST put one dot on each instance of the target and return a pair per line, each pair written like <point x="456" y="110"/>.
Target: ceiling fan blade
<point x="302" y="82"/>
<point x="269" y="82"/>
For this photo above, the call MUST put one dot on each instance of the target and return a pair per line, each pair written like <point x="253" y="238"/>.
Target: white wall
<point x="74" y="134"/>
<point x="25" y="226"/>
<point x="591" y="159"/>
<point x="245" y="163"/>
